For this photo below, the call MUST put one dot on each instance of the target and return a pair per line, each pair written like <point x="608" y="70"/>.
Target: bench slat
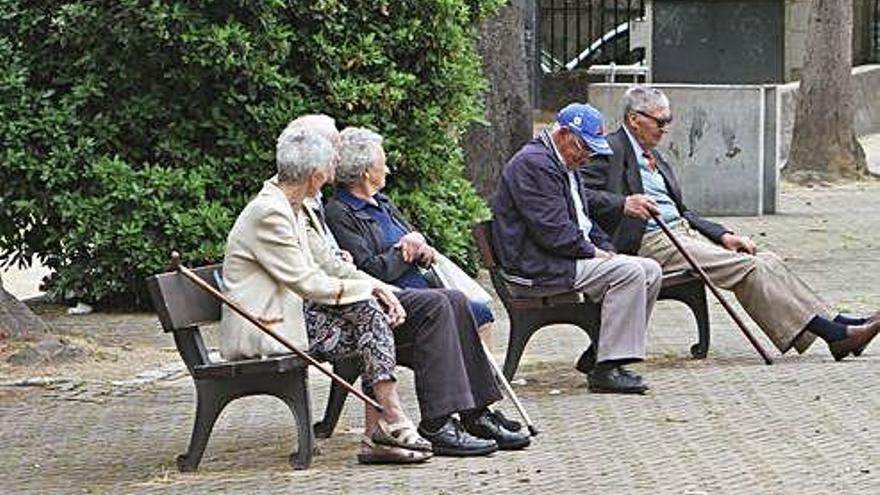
<point x="180" y="303"/>
<point x="272" y="364"/>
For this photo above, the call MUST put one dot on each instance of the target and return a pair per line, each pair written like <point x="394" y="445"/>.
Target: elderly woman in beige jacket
<point x="272" y="263"/>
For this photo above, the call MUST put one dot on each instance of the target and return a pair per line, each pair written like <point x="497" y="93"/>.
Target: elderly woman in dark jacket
<point x="367" y="224"/>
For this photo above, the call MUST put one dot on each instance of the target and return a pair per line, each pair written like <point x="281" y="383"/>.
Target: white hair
<point x="358" y="149"/>
<point x="300" y="153"/>
<point x="643" y="99"/>
<point x="318" y="122"/>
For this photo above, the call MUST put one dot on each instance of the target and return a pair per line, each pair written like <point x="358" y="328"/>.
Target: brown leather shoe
<point x="871" y="319"/>
<point x="858" y="338"/>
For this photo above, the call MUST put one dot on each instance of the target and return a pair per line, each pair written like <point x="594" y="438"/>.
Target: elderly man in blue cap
<point x="544" y="237"/>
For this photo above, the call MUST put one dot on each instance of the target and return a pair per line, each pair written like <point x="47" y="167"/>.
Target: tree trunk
<point x="487" y="147"/>
<point x="17" y="321"/>
<point x="824" y="145"/>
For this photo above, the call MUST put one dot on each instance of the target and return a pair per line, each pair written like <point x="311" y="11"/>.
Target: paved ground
<point x="727" y="424"/>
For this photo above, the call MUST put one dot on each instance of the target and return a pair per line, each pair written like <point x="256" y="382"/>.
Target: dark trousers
<point x="439" y="338"/>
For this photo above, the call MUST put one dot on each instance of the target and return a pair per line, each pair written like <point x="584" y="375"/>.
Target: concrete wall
<point x="716" y="144"/>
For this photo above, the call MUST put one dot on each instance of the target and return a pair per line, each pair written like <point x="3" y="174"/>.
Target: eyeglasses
<point x="579" y="144"/>
<point x="661" y="123"/>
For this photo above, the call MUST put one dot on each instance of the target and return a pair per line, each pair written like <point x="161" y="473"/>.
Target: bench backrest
<point x="482" y="233"/>
<point x="180" y="303"/>
<point x="512" y="295"/>
<point x="182" y="306"/>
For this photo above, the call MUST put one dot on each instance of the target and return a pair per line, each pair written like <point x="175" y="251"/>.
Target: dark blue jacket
<point x="535" y="231"/>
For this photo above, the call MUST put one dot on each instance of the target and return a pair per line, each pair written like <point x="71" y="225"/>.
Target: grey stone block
<point x="716" y="143"/>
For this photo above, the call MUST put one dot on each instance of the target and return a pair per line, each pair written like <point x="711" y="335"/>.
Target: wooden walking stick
<point x="697" y="268"/>
<point x="499" y="375"/>
<point x="177" y="265"/>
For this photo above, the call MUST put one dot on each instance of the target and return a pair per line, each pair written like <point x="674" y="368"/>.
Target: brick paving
<point x="727" y="424"/>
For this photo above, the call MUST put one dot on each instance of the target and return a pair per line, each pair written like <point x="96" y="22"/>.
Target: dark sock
<point x="829" y="331"/>
<point x="607" y="365"/>
<point x="433" y="424"/>
<point x="472" y="414"/>
<point x="846" y="320"/>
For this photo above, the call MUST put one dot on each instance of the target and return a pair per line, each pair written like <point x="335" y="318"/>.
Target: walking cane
<point x="713" y="289"/>
<point x="509" y="391"/>
<point x="177" y="265"/>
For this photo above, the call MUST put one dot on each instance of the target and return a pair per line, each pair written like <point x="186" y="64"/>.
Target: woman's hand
<point x="410" y="244"/>
<point x="425" y="256"/>
<point x="393" y="309"/>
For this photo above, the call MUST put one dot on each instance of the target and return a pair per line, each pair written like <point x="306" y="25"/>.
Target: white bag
<point x="453" y="277"/>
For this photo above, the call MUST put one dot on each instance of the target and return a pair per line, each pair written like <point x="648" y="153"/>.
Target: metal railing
<point x="580" y="33"/>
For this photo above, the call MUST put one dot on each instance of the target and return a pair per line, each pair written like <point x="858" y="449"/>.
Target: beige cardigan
<point x="272" y="263"/>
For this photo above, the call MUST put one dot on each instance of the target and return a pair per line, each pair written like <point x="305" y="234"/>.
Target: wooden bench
<point x="531" y="309"/>
<point x="182" y="307"/>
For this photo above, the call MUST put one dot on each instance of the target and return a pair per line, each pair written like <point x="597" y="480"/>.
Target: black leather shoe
<point x="487" y="426"/>
<point x="587" y="360"/>
<point x="614" y="380"/>
<point x="624" y="371"/>
<point x="452" y="440"/>
<point x="507" y="423"/>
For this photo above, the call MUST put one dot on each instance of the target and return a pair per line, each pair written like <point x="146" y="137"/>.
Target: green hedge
<point x="132" y="128"/>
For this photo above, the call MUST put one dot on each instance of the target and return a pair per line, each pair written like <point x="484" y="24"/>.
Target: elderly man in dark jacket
<point x="544" y="237"/>
<point x="636" y="182"/>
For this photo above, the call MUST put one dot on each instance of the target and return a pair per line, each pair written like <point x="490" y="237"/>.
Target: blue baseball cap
<point x="586" y="122"/>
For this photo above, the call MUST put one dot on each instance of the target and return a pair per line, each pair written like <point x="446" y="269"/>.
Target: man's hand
<point x="737" y="243"/>
<point x="410" y="245"/>
<point x="640" y="206"/>
<point x="602" y="254"/>
<point x="393" y="309"/>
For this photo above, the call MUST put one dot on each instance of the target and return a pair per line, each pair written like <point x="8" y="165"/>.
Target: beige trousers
<point x="627" y="287"/>
<point x="779" y="302"/>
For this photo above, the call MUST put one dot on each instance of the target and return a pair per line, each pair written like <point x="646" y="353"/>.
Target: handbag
<point x="451" y="276"/>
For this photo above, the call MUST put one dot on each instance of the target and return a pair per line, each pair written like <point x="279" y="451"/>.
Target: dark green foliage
<point x="129" y="129"/>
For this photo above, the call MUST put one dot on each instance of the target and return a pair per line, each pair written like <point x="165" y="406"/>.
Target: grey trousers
<point x="779" y="302"/>
<point x="627" y="287"/>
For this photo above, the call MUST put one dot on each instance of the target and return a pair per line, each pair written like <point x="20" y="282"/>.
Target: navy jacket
<point x="611" y="180"/>
<point x="535" y="231"/>
<point x="359" y="234"/>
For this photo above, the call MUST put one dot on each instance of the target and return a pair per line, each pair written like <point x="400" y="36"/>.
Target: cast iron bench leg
<point x="210" y="403"/>
<point x="348" y="369"/>
<point x="521" y="330"/>
<point x="701" y="313"/>
<point x="298" y="402"/>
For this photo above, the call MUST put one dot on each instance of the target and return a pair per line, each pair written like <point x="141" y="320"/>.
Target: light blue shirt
<point x="655" y="187"/>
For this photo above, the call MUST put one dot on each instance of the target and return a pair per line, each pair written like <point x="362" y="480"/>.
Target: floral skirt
<point x="357" y="329"/>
